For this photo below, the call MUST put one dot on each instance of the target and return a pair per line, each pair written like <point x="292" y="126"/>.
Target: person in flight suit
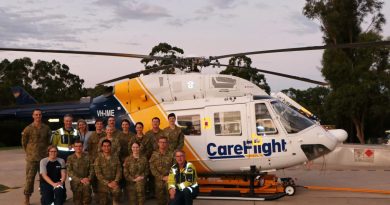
<point x="64" y="138"/>
<point x="108" y="171"/>
<point x="174" y="134"/>
<point x="35" y="140"/>
<point x="136" y="168"/>
<point x="80" y="174"/>
<point x="160" y="164"/>
<point x="182" y="181"/>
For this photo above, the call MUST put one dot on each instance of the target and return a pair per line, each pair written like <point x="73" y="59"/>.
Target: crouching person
<point x="108" y="172"/>
<point x="182" y="181"/>
<point x="52" y="178"/>
<point x="80" y="174"/>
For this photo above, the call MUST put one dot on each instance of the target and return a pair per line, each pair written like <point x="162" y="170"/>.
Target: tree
<point x="357" y="76"/>
<point x="54" y="82"/>
<point x="246" y="73"/>
<point x="96" y="91"/>
<point x="170" y="53"/>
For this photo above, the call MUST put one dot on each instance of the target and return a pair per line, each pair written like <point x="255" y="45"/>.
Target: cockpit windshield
<point x="292" y="120"/>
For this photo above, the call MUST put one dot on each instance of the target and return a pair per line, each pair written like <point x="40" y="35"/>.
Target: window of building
<point x="264" y="123"/>
<point x="227" y="123"/>
<point x="189" y="124"/>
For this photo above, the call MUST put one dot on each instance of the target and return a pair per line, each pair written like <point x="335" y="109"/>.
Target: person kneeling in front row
<point x="52" y="178"/>
<point x="182" y="181"/>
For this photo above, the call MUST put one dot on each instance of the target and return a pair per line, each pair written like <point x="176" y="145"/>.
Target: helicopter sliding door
<point x="227" y="137"/>
<point x="269" y="141"/>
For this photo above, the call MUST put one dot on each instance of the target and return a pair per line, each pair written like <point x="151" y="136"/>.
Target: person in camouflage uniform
<point x="93" y="140"/>
<point x="135" y="170"/>
<point x="108" y="171"/>
<point x="35" y="140"/>
<point x="115" y="144"/>
<point x="80" y="174"/>
<point x="174" y="134"/>
<point x="111" y="123"/>
<point x="93" y="147"/>
<point x="155" y="133"/>
<point x="146" y="142"/>
<point x="160" y="163"/>
<point x="124" y="139"/>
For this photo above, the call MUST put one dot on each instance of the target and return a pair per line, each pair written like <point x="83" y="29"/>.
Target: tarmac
<point x="356" y="181"/>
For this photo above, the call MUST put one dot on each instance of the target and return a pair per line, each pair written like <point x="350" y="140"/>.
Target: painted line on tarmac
<point x="375" y="191"/>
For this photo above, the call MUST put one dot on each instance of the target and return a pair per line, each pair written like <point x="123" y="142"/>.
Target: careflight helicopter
<point x="231" y="126"/>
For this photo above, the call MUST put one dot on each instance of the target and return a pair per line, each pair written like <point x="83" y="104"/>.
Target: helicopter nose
<point x="340" y="134"/>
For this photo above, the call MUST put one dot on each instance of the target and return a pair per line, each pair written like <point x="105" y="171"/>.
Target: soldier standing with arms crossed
<point x="160" y="164"/>
<point x="35" y="140"/>
<point x="80" y="175"/>
<point x="174" y="134"/>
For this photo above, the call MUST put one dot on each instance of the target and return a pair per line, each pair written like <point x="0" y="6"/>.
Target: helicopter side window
<point x="227" y="123"/>
<point x="189" y="124"/>
<point x="264" y="123"/>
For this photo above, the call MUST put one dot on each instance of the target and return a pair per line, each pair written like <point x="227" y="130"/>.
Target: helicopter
<point x="230" y="124"/>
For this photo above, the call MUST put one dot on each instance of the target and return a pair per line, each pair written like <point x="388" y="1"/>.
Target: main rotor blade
<point x="308" y="48"/>
<point x="277" y="74"/>
<point x="136" y="74"/>
<point x="126" y="55"/>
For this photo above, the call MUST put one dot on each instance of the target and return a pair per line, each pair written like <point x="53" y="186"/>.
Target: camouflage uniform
<point x="155" y="136"/>
<point x="93" y="144"/>
<point x="134" y="167"/>
<point x="160" y="164"/>
<point x="93" y="147"/>
<point x="34" y="142"/>
<point x="115" y="146"/>
<point x="77" y="169"/>
<point x="146" y="143"/>
<point x="124" y="141"/>
<point x="107" y="170"/>
<point x="175" y="138"/>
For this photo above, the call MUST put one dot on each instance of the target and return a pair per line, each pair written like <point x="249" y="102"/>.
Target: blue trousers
<point x="184" y="197"/>
<point x="50" y="195"/>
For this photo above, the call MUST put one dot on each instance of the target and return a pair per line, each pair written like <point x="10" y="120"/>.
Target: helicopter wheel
<point x="289" y="190"/>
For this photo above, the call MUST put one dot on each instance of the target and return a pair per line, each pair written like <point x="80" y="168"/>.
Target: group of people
<point x="107" y="162"/>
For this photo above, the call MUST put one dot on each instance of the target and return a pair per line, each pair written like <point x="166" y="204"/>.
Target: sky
<point x="200" y="28"/>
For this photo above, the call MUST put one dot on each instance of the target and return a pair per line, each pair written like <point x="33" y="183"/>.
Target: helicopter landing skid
<point x="261" y="187"/>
